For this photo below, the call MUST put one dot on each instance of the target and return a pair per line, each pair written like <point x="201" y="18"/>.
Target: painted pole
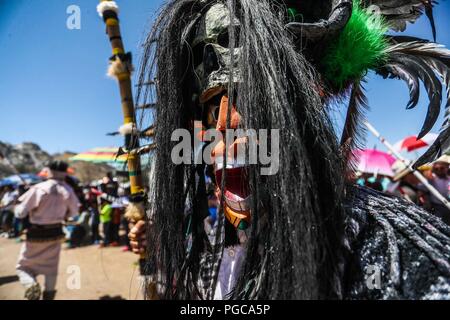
<point x="120" y="69"/>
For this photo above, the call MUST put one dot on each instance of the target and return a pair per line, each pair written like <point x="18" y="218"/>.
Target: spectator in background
<point x="81" y="228"/>
<point x="440" y="180"/>
<point x="19" y="224"/>
<point x="109" y="186"/>
<point x="74" y="184"/>
<point x="91" y="195"/>
<point x="114" y="227"/>
<point x="94" y="221"/>
<point x="7" y="209"/>
<point x="105" y="219"/>
<point x="374" y="182"/>
<point x="404" y="183"/>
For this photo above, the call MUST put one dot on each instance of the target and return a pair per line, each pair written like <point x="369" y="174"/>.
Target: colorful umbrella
<point x="102" y="155"/>
<point x="374" y="162"/>
<point x="411" y="143"/>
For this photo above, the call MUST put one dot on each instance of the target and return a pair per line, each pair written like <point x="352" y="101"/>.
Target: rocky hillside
<point x="27" y="157"/>
<point x="86" y="172"/>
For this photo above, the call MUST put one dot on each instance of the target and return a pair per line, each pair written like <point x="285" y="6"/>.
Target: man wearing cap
<point x="47" y="205"/>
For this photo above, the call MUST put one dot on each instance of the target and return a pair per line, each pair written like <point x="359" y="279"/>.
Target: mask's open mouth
<point x="237" y="199"/>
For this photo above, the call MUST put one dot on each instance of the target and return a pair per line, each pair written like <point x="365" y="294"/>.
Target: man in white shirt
<point x="47" y="204"/>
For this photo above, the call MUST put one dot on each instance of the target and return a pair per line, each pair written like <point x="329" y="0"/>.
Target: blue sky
<point x="54" y="90"/>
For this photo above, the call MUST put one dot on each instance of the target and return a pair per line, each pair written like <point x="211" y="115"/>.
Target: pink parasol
<point x="374" y="162"/>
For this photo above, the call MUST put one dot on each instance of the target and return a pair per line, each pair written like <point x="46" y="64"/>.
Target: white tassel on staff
<point x="104" y="6"/>
<point x="118" y="67"/>
<point x="129" y="128"/>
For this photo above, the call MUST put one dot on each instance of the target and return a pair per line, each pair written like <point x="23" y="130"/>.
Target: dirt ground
<point x="84" y="273"/>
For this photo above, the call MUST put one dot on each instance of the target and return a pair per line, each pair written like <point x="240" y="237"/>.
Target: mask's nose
<point x="223" y="112"/>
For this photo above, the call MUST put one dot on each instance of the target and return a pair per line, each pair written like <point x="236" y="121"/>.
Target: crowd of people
<point x="99" y="219"/>
<point x="407" y="185"/>
<point x="58" y="208"/>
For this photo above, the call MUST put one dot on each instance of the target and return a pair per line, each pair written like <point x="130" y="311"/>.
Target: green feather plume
<point x="360" y="46"/>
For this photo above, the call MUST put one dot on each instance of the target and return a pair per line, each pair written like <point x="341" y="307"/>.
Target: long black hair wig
<point x="294" y="249"/>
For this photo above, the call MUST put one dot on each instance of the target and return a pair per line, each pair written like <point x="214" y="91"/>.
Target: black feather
<point x="429" y="13"/>
<point x="404" y="38"/>
<point x="409" y="76"/>
<point x="444" y="72"/>
<point x="439" y="147"/>
<point x="431" y="62"/>
<point x="432" y="85"/>
<point x="353" y="134"/>
<point x="435" y="55"/>
<point x="419" y="47"/>
<point x="397" y="13"/>
<point x="442" y="143"/>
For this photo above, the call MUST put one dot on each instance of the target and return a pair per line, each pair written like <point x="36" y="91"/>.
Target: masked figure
<point x="302" y="232"/>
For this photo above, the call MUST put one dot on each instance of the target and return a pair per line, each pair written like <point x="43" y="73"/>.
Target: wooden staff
<point x="121" y="68"/>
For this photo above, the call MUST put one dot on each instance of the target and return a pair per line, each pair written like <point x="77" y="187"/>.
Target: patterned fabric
<point x="397" y="250"/>
<point x="232" y="260"/>
<point x="210" y="262"/>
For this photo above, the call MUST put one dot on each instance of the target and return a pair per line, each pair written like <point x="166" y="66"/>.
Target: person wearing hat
<point x="440" y="180"/>
<point x="47" y="205"/>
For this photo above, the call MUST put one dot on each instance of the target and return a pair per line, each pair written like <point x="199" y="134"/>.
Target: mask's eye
<point x="223" y="39"/>
<point x="210" y="62"/>
<point x="197" y="52"/>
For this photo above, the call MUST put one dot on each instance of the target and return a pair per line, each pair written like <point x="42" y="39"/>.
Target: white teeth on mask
<point x="236" y="202"/>
<point x="232" y="163"/>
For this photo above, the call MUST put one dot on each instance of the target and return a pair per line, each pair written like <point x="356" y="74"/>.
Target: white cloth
<point x="230" y="267"/>
<point x="39" y="258"/>
<point x="27" y="280"/>
<point x="8" y="199"/>
<point x="48" y="202"/>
